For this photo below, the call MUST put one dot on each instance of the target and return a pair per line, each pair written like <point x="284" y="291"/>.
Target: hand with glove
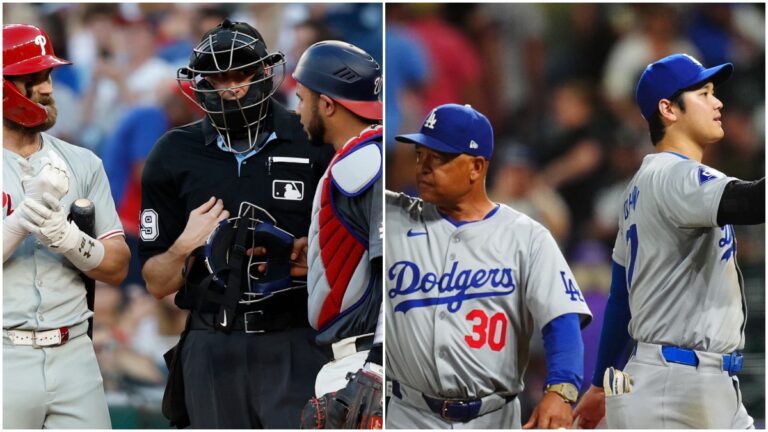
<point x="359" y="405"/>
<point x="53" y="178"/>
<point x="48" y="222"/>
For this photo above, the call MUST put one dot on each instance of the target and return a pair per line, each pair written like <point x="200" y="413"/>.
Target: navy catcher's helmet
<point x="345" y="73"/>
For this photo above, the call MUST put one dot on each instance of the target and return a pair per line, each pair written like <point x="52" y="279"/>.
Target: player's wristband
<point x="88" y="253"/>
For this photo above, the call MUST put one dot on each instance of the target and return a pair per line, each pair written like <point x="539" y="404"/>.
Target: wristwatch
<point x="567" y="391"/>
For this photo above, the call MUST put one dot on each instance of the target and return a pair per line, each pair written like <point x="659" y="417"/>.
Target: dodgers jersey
<point x="463" y="301"/>
<point x="685" y="288"/>
<point x="42" y="290"/>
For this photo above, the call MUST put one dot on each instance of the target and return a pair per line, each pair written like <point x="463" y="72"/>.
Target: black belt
<point x="256" y="321"/>
<point x="455" y="410"/>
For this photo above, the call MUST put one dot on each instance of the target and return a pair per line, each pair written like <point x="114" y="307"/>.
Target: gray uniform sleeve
<point x="107" y="221"/>
<point x="690" y="194"/>
<point x="550" y="288"/>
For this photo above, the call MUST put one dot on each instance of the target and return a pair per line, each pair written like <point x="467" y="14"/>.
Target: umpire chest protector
<point x="339" y="276"/>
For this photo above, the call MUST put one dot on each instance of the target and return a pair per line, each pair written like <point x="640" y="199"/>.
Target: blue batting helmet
<point x="345" y="73"/>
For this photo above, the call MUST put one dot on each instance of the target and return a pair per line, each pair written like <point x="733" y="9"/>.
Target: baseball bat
<point x="83" y="213"/>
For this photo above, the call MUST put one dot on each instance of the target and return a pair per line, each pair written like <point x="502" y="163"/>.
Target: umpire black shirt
<point x="186" y="168"/>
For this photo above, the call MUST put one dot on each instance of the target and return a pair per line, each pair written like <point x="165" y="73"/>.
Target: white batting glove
<point x="53" y="178"/>
<point x="49" y="224"/>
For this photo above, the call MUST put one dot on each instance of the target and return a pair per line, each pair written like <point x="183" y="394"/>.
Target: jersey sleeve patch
<point x="358" y="170"/>
<point x="706" y="174"/>
<point x="149" y="227"/>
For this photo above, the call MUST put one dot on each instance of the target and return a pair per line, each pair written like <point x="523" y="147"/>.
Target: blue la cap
<point x="453" y="128"/>
<point x="665" y="77"/>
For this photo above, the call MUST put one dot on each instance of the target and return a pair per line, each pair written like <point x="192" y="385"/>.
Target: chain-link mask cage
<point x="235" y="47"/>
<point x="260" y="231"/>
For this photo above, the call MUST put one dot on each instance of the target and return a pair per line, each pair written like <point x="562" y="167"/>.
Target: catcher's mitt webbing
<point x="356" y="406"/>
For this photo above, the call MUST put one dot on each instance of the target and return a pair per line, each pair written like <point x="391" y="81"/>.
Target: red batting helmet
<point x="26" y="50"/>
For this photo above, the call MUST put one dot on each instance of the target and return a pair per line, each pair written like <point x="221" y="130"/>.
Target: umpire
<point x="255" y="369"/>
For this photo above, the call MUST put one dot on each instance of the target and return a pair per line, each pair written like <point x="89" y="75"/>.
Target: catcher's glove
<point x="356" y="406"/>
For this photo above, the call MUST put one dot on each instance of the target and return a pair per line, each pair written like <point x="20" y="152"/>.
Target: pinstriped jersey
<point x="685" y="288"/>
<point x="42" y="290"/>
<point x="463" y="299"/>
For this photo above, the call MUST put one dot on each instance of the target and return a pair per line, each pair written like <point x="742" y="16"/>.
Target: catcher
<point x="345" y="238"/>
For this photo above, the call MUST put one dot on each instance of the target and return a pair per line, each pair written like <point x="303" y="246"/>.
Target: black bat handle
<point x="83" y="213"/>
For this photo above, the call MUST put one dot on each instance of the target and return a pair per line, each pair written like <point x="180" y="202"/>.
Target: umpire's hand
<point x="202" y="221"/>
<point x="552" y="412"/>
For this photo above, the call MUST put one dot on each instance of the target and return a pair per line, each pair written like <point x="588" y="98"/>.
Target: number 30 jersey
<point x="685" y="288"/>
<point x="464" y="298"/>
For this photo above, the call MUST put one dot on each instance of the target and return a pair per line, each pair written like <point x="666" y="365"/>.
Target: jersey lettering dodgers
<point x="462" y="302"/>
<point x="685" y="287"/>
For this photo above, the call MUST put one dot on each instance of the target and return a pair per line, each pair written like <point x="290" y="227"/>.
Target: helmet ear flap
<point x="19" y="108"/>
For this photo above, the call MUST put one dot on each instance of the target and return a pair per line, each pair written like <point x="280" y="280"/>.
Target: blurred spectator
<point x="455" y="67"/>
<point x="406" y="77"/>
<point x="359" y="22"/>
<point x="656" y="35"/>
<point x="518" y="185"/>
<point x="572" y="152"/>
<point x="306" y="34"/>
<point x="583" y="53"/>
<point x="624" y="158"/>
<point x="175" y="31"/>
<point x="512" y="55"/>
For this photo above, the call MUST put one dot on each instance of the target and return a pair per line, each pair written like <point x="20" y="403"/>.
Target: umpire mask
<point x="252" y="227"/>
<point x="235" y="47"/>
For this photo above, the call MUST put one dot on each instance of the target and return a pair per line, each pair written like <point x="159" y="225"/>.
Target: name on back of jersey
<point x="631" y="202"/>
<point x="467" y="284"/>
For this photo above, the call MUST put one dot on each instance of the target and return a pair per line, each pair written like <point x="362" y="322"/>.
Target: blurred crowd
<point x="557" y="82"/>
<point x="119" y="96"/>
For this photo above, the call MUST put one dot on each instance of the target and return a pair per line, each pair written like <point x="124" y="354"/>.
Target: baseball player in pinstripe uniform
<point x="50" y="375"/>
<point x="467" y="281"/>
<point x="677" y="290"/>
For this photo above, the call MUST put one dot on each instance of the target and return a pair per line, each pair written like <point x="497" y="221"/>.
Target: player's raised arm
<point x="742" y="203"/>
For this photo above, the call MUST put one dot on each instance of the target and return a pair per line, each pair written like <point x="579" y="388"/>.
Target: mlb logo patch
<point x="705" y="175"/>
<point x="292" y="190"/>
